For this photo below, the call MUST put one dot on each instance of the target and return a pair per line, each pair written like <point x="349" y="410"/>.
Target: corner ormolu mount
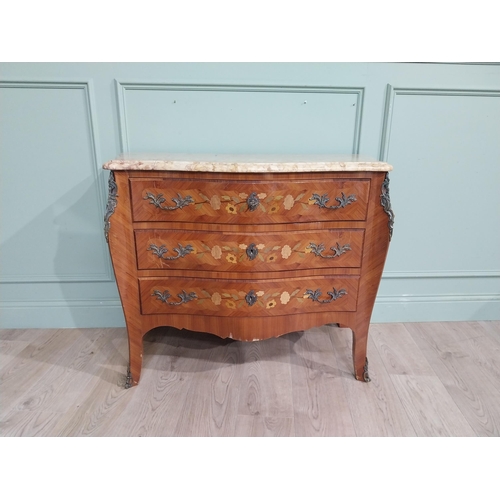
<point x="385" y="201"/>
<point x="366" y="377"/>
<point x="111" y="205"/>
<point x="128" y="380"/>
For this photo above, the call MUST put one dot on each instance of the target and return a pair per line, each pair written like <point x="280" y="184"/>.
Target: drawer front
<point x="242" y="298"/>
<point x="245" y="202"/>
<point x="248" y="252"/>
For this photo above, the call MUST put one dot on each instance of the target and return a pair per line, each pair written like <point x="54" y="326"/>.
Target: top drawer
<point x="247" y="202"/>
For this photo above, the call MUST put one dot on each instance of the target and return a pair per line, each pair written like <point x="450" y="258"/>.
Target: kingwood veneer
<point x="247" y="248"/>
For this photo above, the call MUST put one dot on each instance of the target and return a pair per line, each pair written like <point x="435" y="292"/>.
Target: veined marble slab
<point x="246" y="163"/>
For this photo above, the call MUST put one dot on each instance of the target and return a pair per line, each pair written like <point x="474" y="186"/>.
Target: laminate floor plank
<point x="266" y="387"/>
<point x="398" y="350"/>
<point x="14" y="367"/>
<point x="95" y="413"/>
<point x="470" y="386"/>
<point x="485" y="353"/>
<point x="9" y="349"/>
<point x="320" y="404"/>
<point x="29" y="424"/>
<point x="376" y="408"/>
<point x="31" y="364"/>
<point x="61" y="384"/>
<point x="492" y="329"/>
<point x="34" y="336"/>
<point x="69" y="378"/>
<point x="10" y="334"/>
<point x="211" y="400"/>
<point x="104" y="396"/>
<point x="31" y="335"/>
<point x="259" y="426"/>
<point x="452" y="331"/>
<point x="430" y="408"/>
<point x="157" y="402"/>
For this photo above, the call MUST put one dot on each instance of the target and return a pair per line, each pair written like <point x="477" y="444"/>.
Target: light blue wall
<point x="438" y="124"/>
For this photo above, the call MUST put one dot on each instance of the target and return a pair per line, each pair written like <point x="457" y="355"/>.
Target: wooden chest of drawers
<point x="247" y="249"/>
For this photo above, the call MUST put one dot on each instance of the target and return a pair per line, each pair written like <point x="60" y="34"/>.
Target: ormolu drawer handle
<point x="157" y="200"/>
<point x="314" y="296"/>
<point x="321" y="201"/>
<point x="337" y="251"/>
<point x="185" y="297"/>
<point x="162" y="250"/>
<point x="253" y="202"/>
<point x="252" y="251"/>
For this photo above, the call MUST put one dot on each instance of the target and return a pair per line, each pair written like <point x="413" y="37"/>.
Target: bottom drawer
<point x="210" y="297"/>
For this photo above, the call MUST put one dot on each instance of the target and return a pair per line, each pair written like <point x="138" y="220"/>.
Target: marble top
<point x="246" y="163"/>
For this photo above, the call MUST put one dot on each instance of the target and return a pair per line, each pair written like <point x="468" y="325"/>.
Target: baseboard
<point x="109" y="313"/>
<point x="62" y="314"/>
<point x="421" y="308"/>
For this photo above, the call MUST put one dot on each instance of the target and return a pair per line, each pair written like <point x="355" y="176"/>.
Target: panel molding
<point x="396" y="309"/>
<point x="440" y="274"/>
<point x="85" y="313"/>
<point x="88" y="87"/>
<point x="122" y="87"/>
<point x="18" y="304"/>
<point x="391" y="93"/>
<point x="58" y="278"/>
<point x="477" y="297"/>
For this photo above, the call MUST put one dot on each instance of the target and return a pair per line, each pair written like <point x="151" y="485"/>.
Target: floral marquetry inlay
<point x="234" y="204"/>
<point x="176" y="250"/>
<point x="234" y="201"/>
<point x="260" y="298"/>
<point x="266" y="300"/>
<point x="264" y="253"/>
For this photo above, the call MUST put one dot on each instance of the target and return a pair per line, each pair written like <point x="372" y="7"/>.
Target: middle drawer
<point x="248" y="252"/>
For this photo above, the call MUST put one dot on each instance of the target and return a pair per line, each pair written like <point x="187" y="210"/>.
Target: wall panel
<point x="234" y="119"/>
<point x="439" y="136"/>
<point x="51" y="195"/>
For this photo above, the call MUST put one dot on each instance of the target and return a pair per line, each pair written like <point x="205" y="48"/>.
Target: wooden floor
<point x="428" y="379"/>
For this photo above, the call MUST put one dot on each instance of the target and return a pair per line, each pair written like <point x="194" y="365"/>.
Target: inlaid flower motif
<point x="243" y="196"/>
<point x="242" y="246"/>
<point x="285" y="298"/>
<point x="261" y="246"/>
<point x="286" y="251"/>
<point x="272" y="258"/>
<point x="271" y="304"/>
<point x="261" y="196"/>
<point x="288" y="202"/>
<point x="308" y="249"/>
<point x="216" y="252"/>
<point x="230" y="304"/>
<point x="311" y="201"/>
<point x="230" y="208"/>
<point x="273" y="209"/>
<point x="215" y="202"/>
<point x="231" y="258"/>
<point x="216" y="298"/>
<point x="260" y="293"/>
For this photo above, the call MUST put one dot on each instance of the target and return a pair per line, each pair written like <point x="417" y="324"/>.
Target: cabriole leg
<point x="135" y="357"/>
<point x="359" y="345"/>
